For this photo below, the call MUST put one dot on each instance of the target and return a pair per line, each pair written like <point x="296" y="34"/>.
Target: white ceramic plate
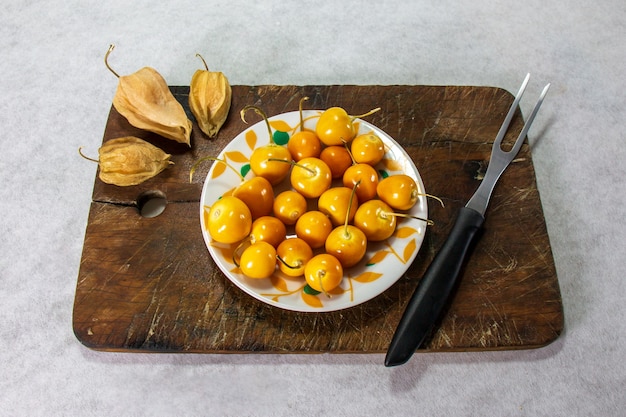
<point x="383" y="264"/>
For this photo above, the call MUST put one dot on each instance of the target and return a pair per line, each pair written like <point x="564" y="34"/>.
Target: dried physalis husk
<point x="129" y="161"/>
<point x="209" y="99"/>
<point x="146" y="101"/>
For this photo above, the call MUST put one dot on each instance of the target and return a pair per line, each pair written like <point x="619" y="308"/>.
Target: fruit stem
<point x="106" y="60"/>
<point x="433" y="197"/>
<point x="428" y="221"/>
<point x="261" y="113"/>
<point x="287" y="265"/>
<point x="293" y="163"/>
<point x="80" y="152"/>
<point x="301" y="124"/>
<point x="345" y="145"/>
<point x="320" y="276"/>
<point x="236" y="251"/>
<point x="206" y="67"/>
<point x="364" y="114"/>
<point x="345" y="225"/>
<point x="212" y="158"/>
<point x="302" y="100"/>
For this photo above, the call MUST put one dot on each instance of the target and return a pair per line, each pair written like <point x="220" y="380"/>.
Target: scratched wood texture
<point x="149" y="284"/>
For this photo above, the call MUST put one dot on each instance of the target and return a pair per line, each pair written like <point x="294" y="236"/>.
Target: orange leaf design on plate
<point x="280" y="125"/>
<point x="236" y="156"/>
<point x="378" y="257"/>
<point x="251" y="139"/>
<point x="337" y="291"/>
<point x="218" y="169"/>
<point x="392" y="164"/>
<point x="279" y="283"/>
<point x="311" y="300"/>
<point x="404" y="232"/>
<point x="409" y="249"/>
<point x="227" y="253"/>
<point x="367" y="277"/>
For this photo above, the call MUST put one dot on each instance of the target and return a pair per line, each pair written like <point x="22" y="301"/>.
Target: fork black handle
<point x="434" y="289"/>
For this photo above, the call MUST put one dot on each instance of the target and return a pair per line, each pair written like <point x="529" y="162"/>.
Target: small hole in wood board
<point x="151" y="203"/>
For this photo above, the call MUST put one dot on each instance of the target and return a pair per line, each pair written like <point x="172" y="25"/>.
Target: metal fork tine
<point x="500" y="159"/>
<point x="529" y="121"/>
<point x="507" y="120"/>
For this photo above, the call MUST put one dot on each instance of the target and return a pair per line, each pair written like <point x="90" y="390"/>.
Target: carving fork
<point x="435" y="287"/>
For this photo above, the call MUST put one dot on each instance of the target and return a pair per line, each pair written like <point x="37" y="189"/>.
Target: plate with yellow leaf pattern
<point x="384" y="262"/>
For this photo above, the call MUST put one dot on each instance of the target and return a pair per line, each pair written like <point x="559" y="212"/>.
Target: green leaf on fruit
<point x="281" y="138"/>
<point x="245" y="169"/>
<point x="308" y="290"/>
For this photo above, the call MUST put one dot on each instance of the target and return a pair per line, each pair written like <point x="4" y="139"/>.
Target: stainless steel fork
<point x="435" y="287"/>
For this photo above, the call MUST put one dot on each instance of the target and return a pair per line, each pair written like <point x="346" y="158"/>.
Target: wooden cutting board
<point x="149" y="284"/>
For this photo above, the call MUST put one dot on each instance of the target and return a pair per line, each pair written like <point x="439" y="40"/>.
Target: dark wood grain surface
<point x="149" y="284"/>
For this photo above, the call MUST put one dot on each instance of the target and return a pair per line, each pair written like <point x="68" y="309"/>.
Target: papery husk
<point x="146" y="101"/>
<point x="209" y="100"/>
<point x="130" y="161"/>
